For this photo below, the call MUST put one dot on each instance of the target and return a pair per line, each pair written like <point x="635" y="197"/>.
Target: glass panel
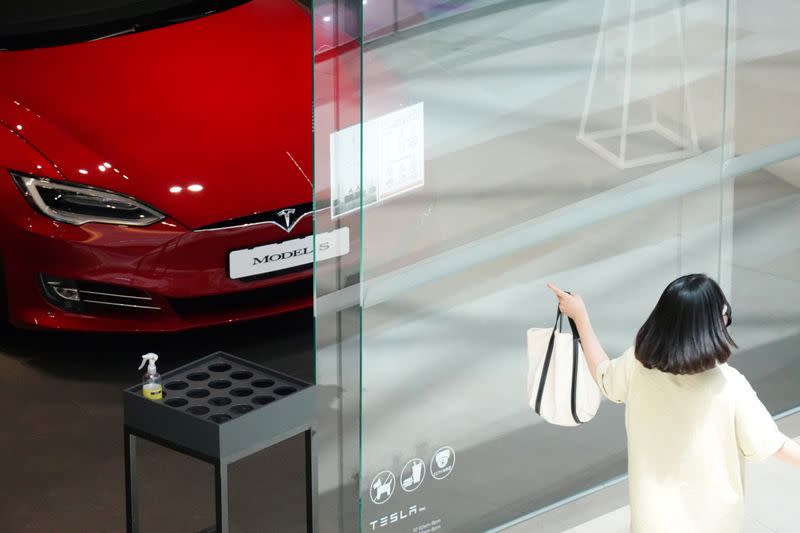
<point x="765" y="78"/>
<point x="384" y="18"/>
<point x="766" y="281"/>
<point x="762" y="197"/>
<point x="571" y="142"/>
<point x="337" y="174"/>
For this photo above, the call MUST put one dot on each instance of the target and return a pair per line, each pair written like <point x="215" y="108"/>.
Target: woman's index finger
<point x="556" y="290"/>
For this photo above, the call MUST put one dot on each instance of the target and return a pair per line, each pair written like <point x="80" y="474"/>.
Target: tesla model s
<point x="155" y="163"/>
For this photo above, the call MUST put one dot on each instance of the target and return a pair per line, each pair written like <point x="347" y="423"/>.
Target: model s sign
<point x="287" y="254"/>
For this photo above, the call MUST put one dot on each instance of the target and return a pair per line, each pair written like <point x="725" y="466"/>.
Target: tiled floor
<point x="771" y="505"/>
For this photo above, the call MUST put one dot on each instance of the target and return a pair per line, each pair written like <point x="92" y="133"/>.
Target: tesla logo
<point x="393" y="518"/>
<point x="287" y="216"/>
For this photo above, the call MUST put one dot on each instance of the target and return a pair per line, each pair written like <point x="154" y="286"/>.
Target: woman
<point x="690" y="418"/>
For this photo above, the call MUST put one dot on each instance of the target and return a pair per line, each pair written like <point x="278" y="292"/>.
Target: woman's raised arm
<point x="572" y="305"/>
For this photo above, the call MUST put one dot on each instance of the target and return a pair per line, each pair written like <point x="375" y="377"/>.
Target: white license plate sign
<point x="287" y="254"/>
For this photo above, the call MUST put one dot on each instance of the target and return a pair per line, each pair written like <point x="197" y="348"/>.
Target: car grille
<point x="273" y="217"/>
<point x="112" y="296"/>
<point x="86" y="296"/>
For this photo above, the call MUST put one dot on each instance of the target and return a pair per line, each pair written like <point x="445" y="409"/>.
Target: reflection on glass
<point x="635" y="89"/>
<point x="393" y="153"/>
<point x="337" y="107"/>
<point x="558" y="146"/>
<point x="609" y="147"/>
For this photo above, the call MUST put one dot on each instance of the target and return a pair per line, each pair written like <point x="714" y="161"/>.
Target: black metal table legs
<point x="221" y="496"/>
<point x="220" y="409"/>
<point x="131" y="484"/>
<point x="311" y="481"/>
<point x="220" y="484"/>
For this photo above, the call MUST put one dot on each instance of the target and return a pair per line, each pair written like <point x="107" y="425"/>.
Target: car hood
<point x="221" y="103"/>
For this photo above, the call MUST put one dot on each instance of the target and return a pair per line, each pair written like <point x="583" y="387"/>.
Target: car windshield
<point x="39" y="23"/>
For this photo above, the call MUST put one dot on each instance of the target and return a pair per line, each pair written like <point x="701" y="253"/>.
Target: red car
<point x="155" y="162"/>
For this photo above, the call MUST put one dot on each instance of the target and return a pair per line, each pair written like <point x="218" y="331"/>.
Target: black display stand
<point x="220" y="409"/>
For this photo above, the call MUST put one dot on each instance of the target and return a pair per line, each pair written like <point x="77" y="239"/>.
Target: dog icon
<point x="382" y="487"/>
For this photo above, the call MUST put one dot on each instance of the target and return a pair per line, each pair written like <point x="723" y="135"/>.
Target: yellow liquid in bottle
<point x="153" y="391"/>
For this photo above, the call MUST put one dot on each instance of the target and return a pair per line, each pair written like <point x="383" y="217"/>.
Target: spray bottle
<point x="151" y="386"/>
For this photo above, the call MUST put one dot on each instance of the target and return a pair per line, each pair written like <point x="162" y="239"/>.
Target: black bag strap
<point x="576" y="340"/>
<point x="575" y="362"/>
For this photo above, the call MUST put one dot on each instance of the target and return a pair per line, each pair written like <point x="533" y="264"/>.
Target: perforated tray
<point x="223" y="389"/>
<point x="220" y="405"/>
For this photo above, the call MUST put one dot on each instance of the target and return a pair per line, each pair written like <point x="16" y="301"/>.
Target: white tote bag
<point x="560" y="386"/>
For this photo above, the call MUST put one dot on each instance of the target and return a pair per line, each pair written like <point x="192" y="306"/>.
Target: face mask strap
<point x="728" y="314"/>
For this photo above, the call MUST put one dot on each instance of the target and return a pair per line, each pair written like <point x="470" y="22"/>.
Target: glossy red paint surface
<point x="222" y="102"/>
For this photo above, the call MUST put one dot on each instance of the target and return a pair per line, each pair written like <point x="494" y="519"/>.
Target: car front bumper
<point x="181" y="276"/>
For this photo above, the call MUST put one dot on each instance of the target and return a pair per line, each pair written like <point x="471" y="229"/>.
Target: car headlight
<point x="79" y="204"/>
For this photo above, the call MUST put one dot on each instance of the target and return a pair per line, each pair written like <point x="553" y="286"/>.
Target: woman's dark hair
<point x="686" y="332"/>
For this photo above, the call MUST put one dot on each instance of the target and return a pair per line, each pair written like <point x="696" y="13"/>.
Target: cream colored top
<point x="687" y="438"/>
